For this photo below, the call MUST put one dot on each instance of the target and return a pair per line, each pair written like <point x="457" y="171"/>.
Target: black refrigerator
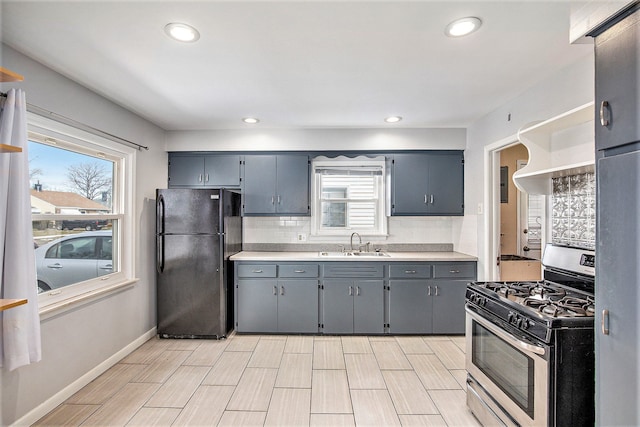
<point x="196" y="233"/>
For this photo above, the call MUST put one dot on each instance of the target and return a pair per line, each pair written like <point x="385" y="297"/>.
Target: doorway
<point x="515" y="220"/>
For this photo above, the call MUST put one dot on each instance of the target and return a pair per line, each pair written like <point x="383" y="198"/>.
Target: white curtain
<point x="20" y="326"/>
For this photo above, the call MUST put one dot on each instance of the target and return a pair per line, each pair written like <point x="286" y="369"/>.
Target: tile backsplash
<point x="574" y="210"/>
<point x="402" y="230"/>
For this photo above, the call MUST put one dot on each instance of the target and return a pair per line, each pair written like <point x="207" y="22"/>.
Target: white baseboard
<point x="50" y="404"/>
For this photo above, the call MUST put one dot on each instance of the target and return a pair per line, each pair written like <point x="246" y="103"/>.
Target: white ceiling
<point x="298" y="64"/>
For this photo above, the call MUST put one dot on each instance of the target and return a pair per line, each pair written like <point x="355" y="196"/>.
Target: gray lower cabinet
<point x="257" y="305"/>
<point x="409" y="307"/>
<point x="353" y="306"/>
<point x="352" y="297"/>
<point x="428" y="298"/>
<point x="277" y="298"/>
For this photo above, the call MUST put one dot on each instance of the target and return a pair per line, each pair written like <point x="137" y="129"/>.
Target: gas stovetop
<point x="531" y="308"/>
<point x="544" y="297"/>
<point x="564" y="299"/>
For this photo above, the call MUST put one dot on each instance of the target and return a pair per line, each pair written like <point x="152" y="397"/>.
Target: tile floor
<point x="276" y="380"/>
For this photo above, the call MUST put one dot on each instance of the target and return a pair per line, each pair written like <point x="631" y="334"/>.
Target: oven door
<point x="513" y="374"/>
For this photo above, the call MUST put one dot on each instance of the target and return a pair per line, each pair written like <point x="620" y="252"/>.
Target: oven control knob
<point x="510" y="317"/>
<point x="482" y="301"/>
<point x="525" y="324"/>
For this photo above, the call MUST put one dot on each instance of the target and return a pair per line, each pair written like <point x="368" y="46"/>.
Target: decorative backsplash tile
<point x="574" y="211"/>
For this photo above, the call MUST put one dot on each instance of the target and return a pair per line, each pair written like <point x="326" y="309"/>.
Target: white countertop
<point x="315" y="256"/>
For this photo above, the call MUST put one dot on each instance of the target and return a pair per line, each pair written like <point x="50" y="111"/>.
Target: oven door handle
<point x="507" y="337"/>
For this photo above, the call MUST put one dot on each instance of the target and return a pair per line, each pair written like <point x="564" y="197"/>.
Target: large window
<point x="348" y="196"/>
<point x="81" y="204"/>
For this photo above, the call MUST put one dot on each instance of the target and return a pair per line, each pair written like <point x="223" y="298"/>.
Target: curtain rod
<point x="46" y="113"/>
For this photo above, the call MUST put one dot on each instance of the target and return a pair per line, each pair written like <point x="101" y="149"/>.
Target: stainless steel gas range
<point x="530" y="345"/>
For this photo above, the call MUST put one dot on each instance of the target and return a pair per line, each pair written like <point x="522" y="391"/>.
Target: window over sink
<point x="348" y="195"/>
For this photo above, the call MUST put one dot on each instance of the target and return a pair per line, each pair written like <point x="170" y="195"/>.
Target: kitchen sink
<point x="369" y="254"/>
<point x="355" y="254"/>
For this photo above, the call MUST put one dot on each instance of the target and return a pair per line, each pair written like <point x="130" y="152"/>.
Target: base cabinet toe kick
<point x="343" y="298"/>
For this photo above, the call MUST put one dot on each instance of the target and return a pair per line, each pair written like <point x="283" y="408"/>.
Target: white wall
<point x="258" y="139"/>
<point x="76" y="341"/>
<point x="561" y="92"/>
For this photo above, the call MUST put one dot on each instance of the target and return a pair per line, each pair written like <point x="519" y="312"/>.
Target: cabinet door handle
<point x="436" y="291"/>
<point x="604" y="118"/>
<point x="409" y="272"/>
<point x="357" y="290"/>
<point x="273" y="200"/>
<point x="605" y="322"/>
<point x="454" y="271"/>
<point x="200" y="178"/>
<point x="429" y="290"/>
<point x="257" y="271"/>
<point x="281" y="290"/>
<point x="350" y="290"/>
<point x="431" y="198"/>
<point x="299" y="271"/>
<point x="275" y="290"/>
<point x="278" y="199"/>
<point x="425" y="199"/>
<point x="206" y="177"/>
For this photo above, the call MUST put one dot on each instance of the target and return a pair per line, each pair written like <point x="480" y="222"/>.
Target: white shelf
<point x="4" y="148"/>
<point x="546" y="157"/>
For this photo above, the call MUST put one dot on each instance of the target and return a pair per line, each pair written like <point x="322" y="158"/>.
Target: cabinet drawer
<point x="358" y="270"/>
<point x="298" y="270"/>
<point x="256" y="270"/>
<point x="455" y="270"/>
<point x="410" y="271"/>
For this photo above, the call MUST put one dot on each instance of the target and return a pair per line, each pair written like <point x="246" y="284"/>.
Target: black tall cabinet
<point x="617" y="53"/>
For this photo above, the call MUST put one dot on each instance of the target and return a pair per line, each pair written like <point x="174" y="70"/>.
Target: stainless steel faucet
<point x="359" y="240"/>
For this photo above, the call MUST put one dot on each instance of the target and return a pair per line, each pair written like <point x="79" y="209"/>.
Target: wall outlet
<point x="480" y="210"/>
<point x="302" y="237"/>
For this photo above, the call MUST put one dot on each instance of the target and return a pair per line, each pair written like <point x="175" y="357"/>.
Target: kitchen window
<point x="81" y="189"/>
<point x="348" y="196"/>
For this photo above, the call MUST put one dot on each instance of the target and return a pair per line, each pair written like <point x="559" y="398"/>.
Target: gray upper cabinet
<point x="428" y="183"/>
<point x="617" y="84"/>
<point x="204" y="171"/>
<point x="276" y="185"/>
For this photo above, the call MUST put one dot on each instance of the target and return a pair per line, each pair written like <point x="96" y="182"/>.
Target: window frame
<point x="51" y="132"/>
<point x="316" y="195"/>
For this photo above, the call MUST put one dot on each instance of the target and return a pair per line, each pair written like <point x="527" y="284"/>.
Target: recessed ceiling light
<point x="393" y="119"/>
<point x="463" y="26"/>
<point x="250" y="120"/>
<point x="181" y="32"/>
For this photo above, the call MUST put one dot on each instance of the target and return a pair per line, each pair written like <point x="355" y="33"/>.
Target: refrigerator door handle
<point x="160" y="234"/>
<point x="160" y="253"/>
<point x="160" y="215"/>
